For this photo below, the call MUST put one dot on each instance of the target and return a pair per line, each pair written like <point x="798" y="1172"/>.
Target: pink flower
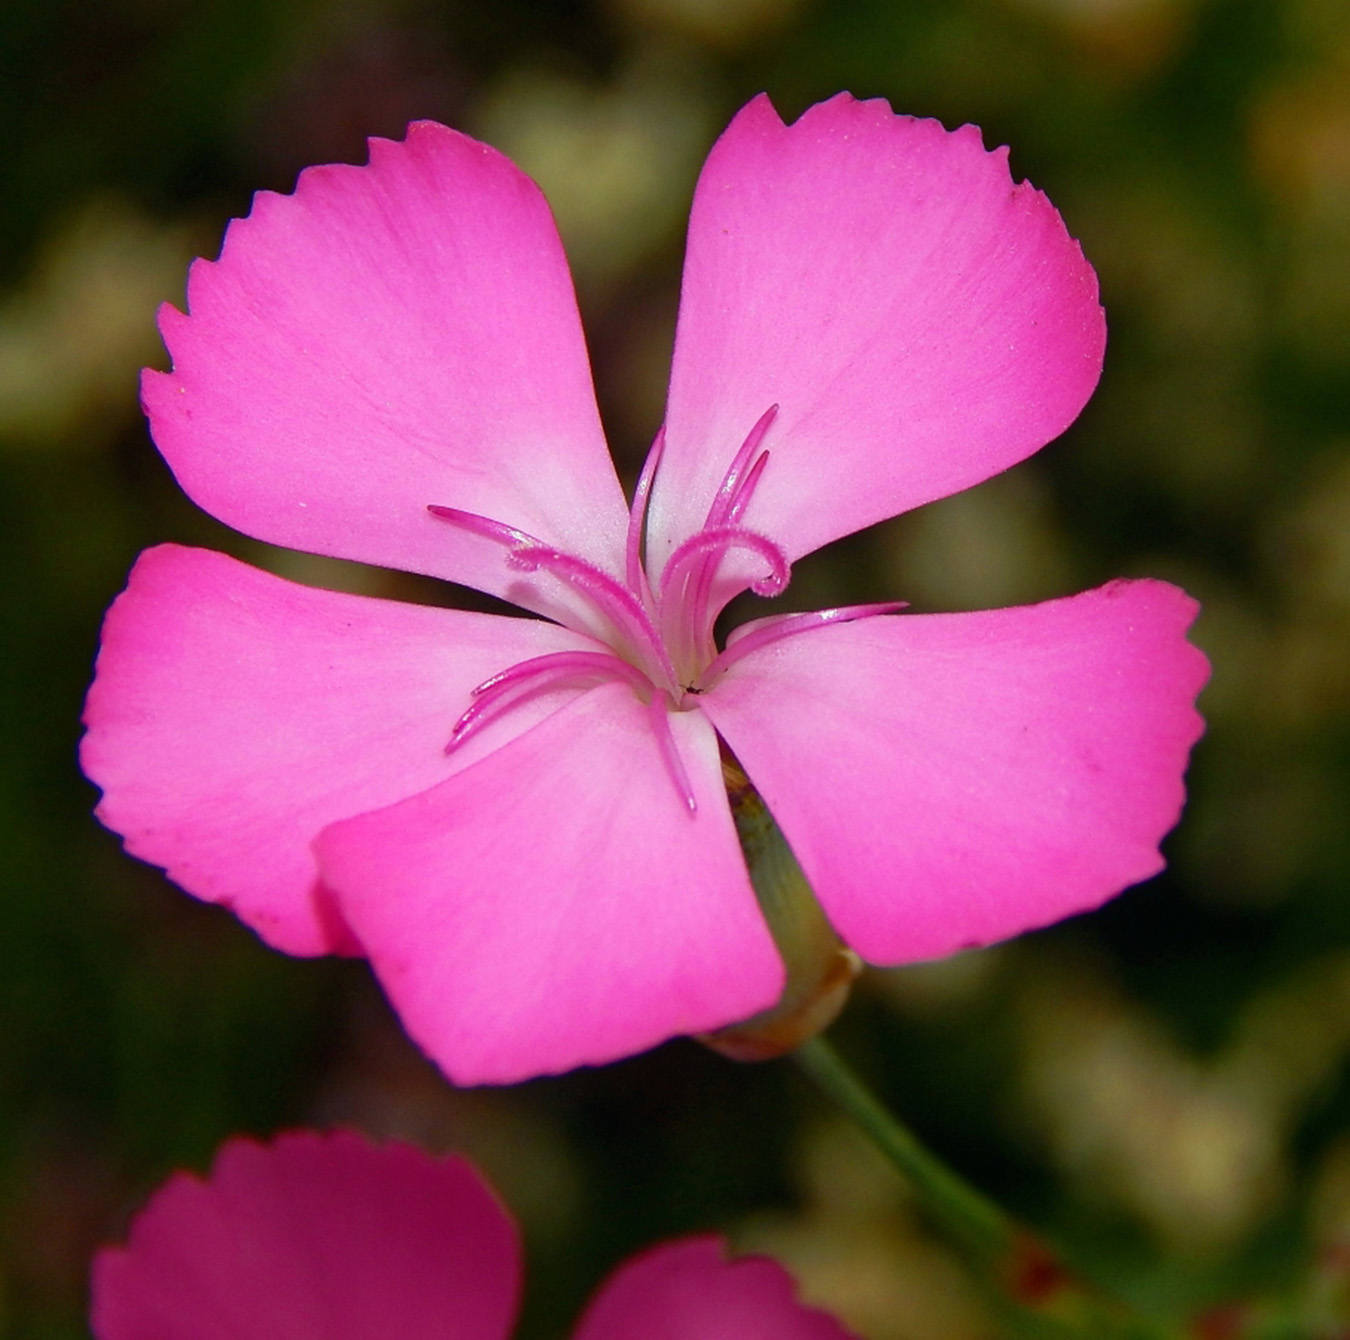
<point x="522" y="821"/>
<point x="328" y="1237"/>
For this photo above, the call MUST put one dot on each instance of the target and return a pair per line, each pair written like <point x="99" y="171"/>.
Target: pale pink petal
<point x="920" y="322"/>
<point x="557" y="904"/>
<point x="314" y="1237"/>
<point x="690" y="1291"/>
<point x="235" y="715"/>
<point x="389" y="337"/>
<point x="949" y="780"/>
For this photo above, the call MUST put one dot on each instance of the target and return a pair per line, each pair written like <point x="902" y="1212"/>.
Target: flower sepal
<point x="821" y="969"/>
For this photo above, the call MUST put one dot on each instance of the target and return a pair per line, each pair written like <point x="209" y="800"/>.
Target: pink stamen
<point x="697" y="560"/>
<point x="747" y="489"/>
<point x="670" y="754"/>
<point x="688" y="618"/>
<point x="688" y="614"/>
<point x="717" y="541"/>
<point x="637" y="515"/>
<point x="622" y="606"/>
<point x="483" y="525"/>
<point x="573" y="662"/>
<point x="765" y="631"/>
<point x="616" y="602"/>
<point x="718" y="513"/>
<point x="510" y="687"/>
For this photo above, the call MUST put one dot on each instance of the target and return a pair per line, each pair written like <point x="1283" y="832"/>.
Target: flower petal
<point x="314" y="1238"/>
<point x="389" y="337"/>
<point x="234" y="715"/>
<point x="920" y="322"/>
<point x="557" y="904"/>
<point x="690" y="1291"/>
<point x="949" y="780"/>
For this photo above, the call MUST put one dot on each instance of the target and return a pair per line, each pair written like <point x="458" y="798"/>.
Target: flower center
<point x="659" y="642"/>
<point x="665" y="634"/>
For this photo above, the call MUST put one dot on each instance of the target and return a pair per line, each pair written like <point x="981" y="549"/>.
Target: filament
<point x="747" y="489"/>
<point x="659" y="717"/>
<point x="616" y="602"/>
<point x="483" y="525"/>
<point x="765" y="631"/>
<point x="718" y="541"/>
<point x="637" y="515"/>
<point x="510" y="687"/>
<point x="732" y="486"/>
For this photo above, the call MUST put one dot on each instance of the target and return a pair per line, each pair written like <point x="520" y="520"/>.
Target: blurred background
<point x="1161" y="1085"/>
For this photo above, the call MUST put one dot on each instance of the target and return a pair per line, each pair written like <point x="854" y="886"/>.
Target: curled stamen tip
<point x="772" y="585"/>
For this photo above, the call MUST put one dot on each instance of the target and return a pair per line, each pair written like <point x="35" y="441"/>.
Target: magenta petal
<point x="949" y="780"/>
<point x="920" y="322"/>
<point x="556" y="904"/>
<point x="690" y="1291"/>
<point x="314" y="1238"/>
<point x="388" y="337"/>
<point x="235" y="715"/>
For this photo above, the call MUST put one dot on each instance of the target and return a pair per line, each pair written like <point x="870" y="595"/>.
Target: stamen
<point x="574" y="662"/>
<point x="717" y="541"/>
<point x="731" y="502"/>
<point x="696" y="561"/>
<point x="637" y="515"/>
<point x="718" y="513"/>
<point x="694" y="564"/>
<point x="620" y="605"/>
<point x="499" y="694"/>
<point x="762" y="633"/>
<point x="746" y="490"/>
<point x="670" y="754"/>
<point x="484" y="525"/>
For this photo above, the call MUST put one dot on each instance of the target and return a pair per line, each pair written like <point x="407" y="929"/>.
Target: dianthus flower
<point x="329" y="1237"/>
<point x="522" y="822"/>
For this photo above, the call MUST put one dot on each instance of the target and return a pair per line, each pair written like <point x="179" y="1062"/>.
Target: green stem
<point x="1037" y="1296"/>
<point x="963" y="1213"/>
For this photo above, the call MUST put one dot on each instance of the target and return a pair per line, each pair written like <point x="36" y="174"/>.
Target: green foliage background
<point x="1162" y="1084"/>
